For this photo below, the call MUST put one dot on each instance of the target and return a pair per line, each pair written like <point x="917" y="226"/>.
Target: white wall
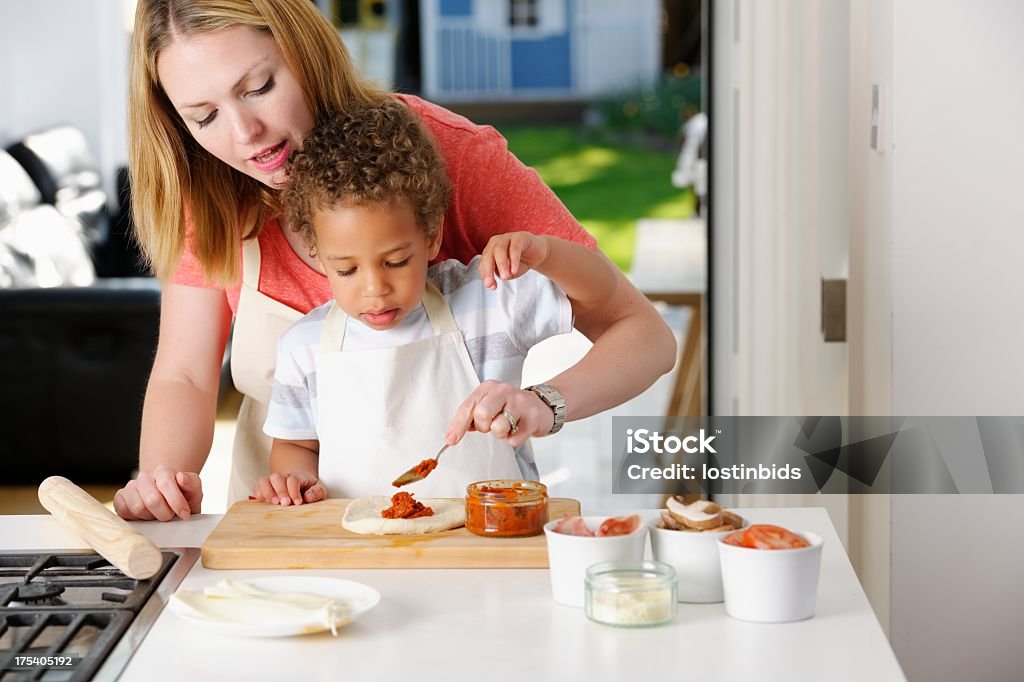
<point x="957" y="210"/>
<point x="957" y="331"/>
<point x="65" y="61"/>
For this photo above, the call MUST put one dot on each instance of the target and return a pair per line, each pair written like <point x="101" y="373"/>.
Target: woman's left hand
<point x="494" y="407"/>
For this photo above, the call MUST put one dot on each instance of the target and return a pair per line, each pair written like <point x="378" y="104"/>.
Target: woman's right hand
<point x="180" y="407"/>
<point x="162" y="495"/>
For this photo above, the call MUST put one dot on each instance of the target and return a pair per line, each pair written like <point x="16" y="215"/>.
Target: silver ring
<point x="513" y="423"/>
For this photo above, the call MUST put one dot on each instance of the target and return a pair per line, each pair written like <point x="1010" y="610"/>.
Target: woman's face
<point x="238" y="98"/>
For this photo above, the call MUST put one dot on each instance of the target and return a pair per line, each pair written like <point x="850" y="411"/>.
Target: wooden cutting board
<point x="258" y="535"/>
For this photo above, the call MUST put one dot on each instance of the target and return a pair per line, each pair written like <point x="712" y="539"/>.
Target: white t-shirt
<point x="499" y="328"/>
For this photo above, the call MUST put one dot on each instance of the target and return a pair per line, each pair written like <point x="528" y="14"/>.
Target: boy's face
<point x="376" y="260"/>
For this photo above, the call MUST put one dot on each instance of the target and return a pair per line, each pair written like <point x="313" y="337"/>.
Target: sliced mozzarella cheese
<point x="232" y="601"/>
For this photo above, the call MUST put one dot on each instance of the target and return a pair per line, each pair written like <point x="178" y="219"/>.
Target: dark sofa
<point x="75" y="348"/>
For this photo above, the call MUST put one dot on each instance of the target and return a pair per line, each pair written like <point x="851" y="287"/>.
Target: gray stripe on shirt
<point x="524" y="323"/>
<point x="491" y="347"/>
<point x="449" y="279"/>
<point x="294" y="397"/>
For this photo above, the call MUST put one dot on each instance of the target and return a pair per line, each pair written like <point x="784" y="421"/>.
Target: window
<point x="523" y="13"/>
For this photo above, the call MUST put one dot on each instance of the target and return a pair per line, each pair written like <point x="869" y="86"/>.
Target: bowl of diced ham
<point x="577" y="542"/>
<point x="769" y="573"/>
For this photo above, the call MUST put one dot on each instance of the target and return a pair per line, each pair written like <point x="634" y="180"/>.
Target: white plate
<point x="361" y="597"/>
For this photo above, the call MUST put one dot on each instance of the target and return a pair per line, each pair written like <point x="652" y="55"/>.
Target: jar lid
<point x="507" y="490"/>
<point x="630" y="576"/>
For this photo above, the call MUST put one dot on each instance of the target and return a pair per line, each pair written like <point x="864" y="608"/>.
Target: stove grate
<point x="66" y="603"/>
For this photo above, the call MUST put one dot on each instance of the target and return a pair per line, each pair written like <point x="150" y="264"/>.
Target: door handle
<point x="833" y="310"/>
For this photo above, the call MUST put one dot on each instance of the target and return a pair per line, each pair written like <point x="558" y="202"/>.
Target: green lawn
<point x="606" y="187"/>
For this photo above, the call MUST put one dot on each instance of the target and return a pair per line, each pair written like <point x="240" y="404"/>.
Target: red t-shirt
<point x="494" y="194"/>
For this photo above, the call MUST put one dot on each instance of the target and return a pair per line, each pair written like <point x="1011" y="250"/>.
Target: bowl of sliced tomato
<point x="769" y="573"/>
<point x="577" y="542"/>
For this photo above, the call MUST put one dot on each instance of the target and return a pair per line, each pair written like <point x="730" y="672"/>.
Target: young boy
<point x="408" y="357"/>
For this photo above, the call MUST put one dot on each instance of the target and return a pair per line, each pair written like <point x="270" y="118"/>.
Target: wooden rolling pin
<point x="106" y="532"/>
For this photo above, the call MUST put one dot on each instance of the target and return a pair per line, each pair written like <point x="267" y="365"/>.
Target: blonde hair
<point x="172" y="177"/>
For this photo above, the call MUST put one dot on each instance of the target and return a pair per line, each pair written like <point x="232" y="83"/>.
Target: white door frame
<point x="774" y="234"/>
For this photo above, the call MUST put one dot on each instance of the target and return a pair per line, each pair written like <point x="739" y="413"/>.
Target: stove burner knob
<point x="37" y="592"/>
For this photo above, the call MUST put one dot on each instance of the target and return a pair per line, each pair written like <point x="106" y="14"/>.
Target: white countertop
<point x="488" y="624"/>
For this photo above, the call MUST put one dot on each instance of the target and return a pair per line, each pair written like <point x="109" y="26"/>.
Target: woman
<point x="220" y="92"/>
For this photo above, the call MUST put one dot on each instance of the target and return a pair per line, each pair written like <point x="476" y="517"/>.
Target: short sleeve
<point x="496" y="194"/>
<point x="536" y="307"/>
<point x="290" y="414"/>
<point x="190" y="271"/>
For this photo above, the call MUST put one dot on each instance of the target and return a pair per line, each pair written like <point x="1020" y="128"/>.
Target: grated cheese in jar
<point x="631" y="594"/>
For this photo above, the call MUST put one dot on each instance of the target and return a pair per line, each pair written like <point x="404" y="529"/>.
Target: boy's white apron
<point x="384" y="410"/>
<point x="381" y="440"/>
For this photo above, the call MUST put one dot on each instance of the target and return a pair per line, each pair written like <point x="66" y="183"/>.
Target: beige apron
<point x="384" y="410"/>
<point x="259" y="321"/>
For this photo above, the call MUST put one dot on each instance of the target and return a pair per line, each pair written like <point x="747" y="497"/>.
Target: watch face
<point x="548" y="395"/>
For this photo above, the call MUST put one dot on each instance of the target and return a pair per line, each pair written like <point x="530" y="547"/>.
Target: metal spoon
<point x="413" y="475"/>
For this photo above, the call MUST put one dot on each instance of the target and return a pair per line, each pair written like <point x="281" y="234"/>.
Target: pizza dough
<point x="363" y="516"/>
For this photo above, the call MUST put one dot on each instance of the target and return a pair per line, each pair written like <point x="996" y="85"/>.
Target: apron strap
<point x="333" y="336"/>
<point x="251" y="263"/>
<point x="332" y="339"/>
<point x="438" y="312"/>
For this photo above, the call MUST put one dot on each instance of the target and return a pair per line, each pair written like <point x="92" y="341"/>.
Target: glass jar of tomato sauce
<point x="506" y="508"/>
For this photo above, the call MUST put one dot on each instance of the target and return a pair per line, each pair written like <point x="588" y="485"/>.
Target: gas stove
<point x="64" y="607"/>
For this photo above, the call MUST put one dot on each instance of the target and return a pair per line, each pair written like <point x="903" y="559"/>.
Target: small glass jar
<point x="631" y="594"/>
<point x="506" y="508"/>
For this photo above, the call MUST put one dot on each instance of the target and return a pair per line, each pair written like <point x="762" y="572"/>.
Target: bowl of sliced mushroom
<point x="685" y="536"/>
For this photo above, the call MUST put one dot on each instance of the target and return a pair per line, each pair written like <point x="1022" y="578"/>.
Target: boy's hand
<point x="294" y="487"/>
<point x="511" y="255"/>
<point x="484" y="410"/>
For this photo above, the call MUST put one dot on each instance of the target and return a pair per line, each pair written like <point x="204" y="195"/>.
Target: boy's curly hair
<point x="367" y="154"/>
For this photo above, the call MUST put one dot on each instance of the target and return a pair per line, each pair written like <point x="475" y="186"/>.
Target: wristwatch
<point x="553" y="399"/>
